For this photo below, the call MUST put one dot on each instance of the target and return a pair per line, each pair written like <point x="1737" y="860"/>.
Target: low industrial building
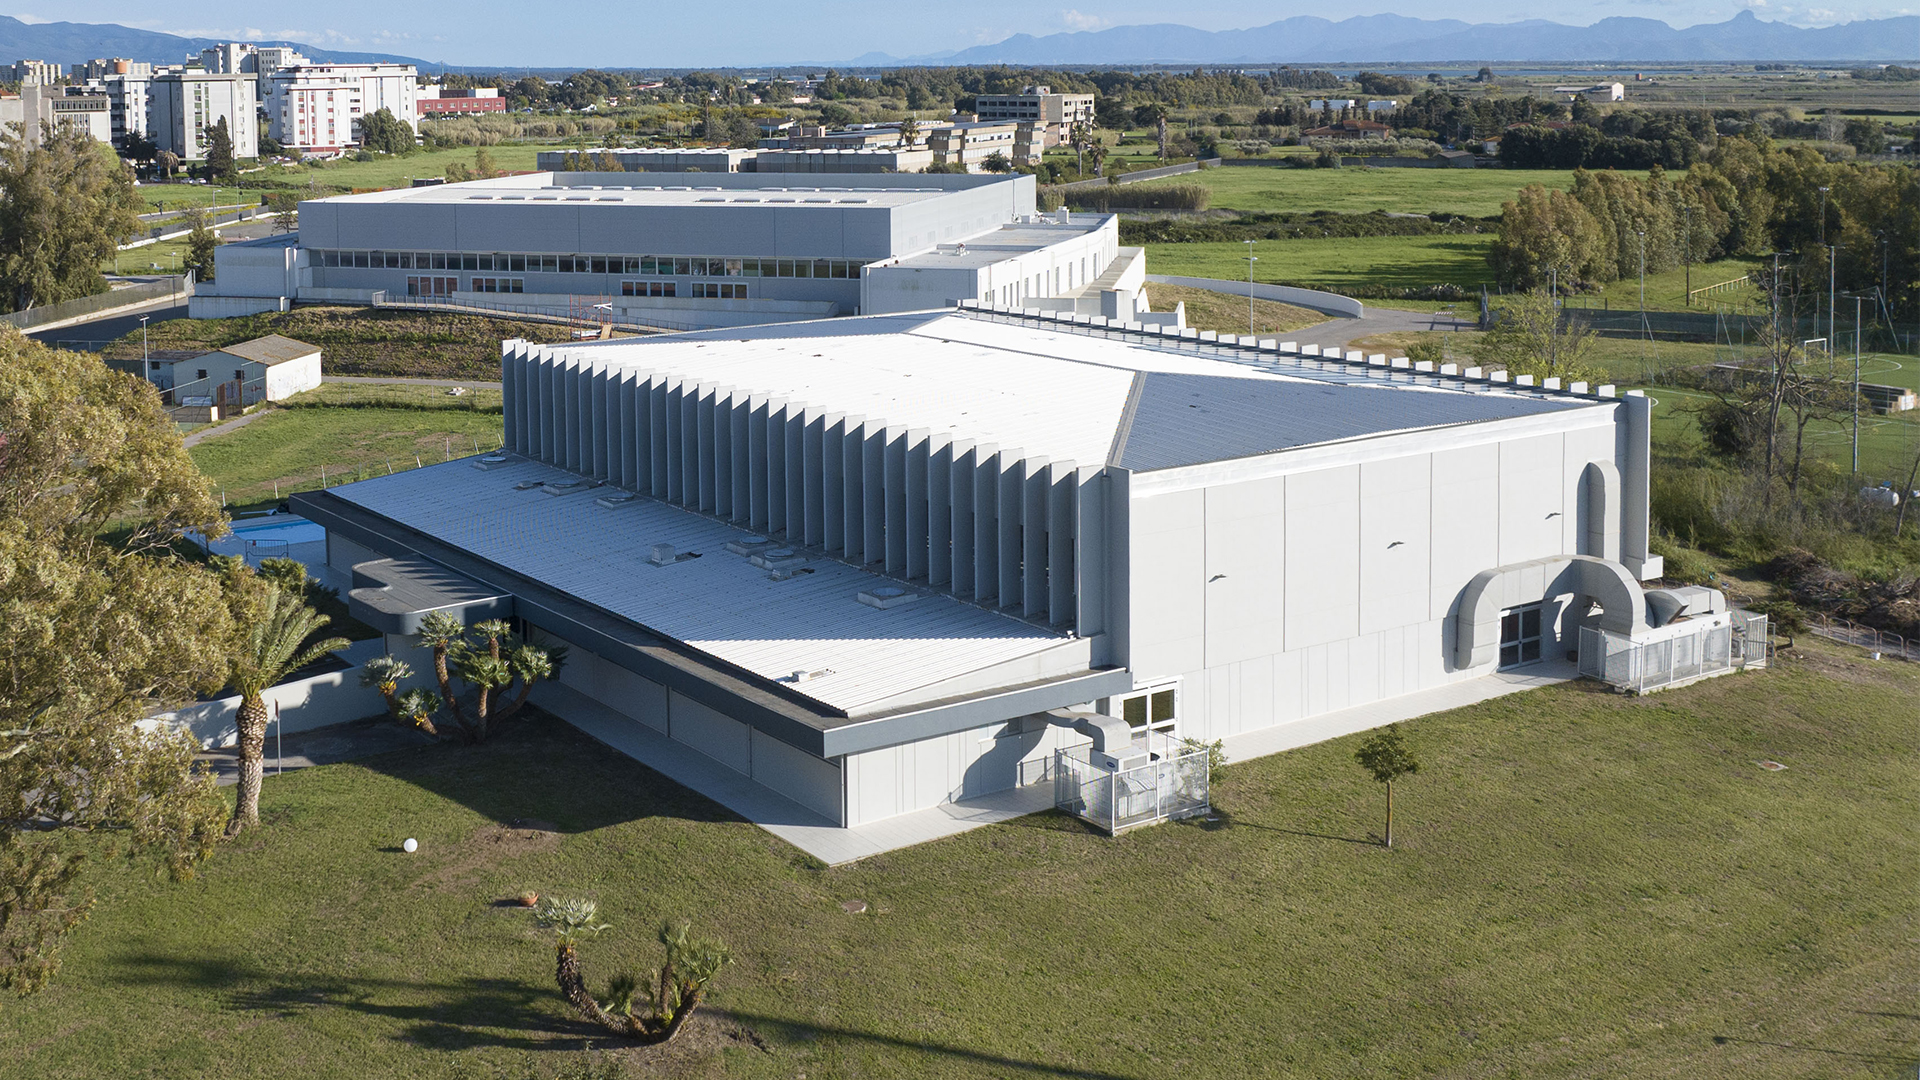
<point x="871" y="567"/>
<point x="469" y="102"/>
<point x="270" y="368"/>
<point x="717" y="249"/>
<point x="653" y="159"/>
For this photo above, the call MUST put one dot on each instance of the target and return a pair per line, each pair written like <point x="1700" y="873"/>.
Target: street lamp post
<point x="1856" y="382"/>
<point x="1643" y="273"/>
<point x="146" y="365"/>
<point x="1250" y="261"/>
<point x="1823" y="243"/>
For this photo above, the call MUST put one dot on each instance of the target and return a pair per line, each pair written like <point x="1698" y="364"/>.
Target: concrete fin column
<point x="512" y="359"/>
<point x="757" y="410"/>
<point x="793" y="457"/>
<point x="833" y="483"/>
<point x="853" y="473"/>
<point x="1033" y="539"/>
<point x="986" y="522"/>
<point x="722" y="443"/>
<point x="690" y="445"/>
<point x="741" y="456"/>
<point x="937" y="501"/>
<point x="960" y="502"/>
<point x="602" y="431"/>
<point x="546" y="400"/>
<point x="1636" y="489"/>
<point x="896" y="508"/>
<point x="1602" y="508"/>
<point x="916" y="504"/>
<point x="873" y="490"/>
<point x="813" y="476"/>
<point x="777" y="468"/>
<point x="676" y="455"/>
<point x="1090" y="561"/>
<point x="627" y="431"/>
<point x="1011" y="510"/>
<point x="582" y="417"/>
<point x="659" y="438"/>
<point x="706" y="462"/>
<point x="570" y="388"/>
<point x="1062" y="487"/>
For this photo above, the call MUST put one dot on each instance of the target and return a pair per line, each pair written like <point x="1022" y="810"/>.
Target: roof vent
<point x="806" y="676"/>
<point x="491" y="461"/>
<point x="665" y="555"/>
<point x="747" y="545"/>
<point x="886" y="596"/>
<point x="528" y="485"/>
<point x="774" y="558"/>
<point x="569" y="487"/>
<point x="616" y="499"/>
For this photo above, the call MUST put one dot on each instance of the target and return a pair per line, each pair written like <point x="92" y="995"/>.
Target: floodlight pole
<point x="1250" y="261"/>
<point x="1643" y="273"/>
<point x="145" y="362"/>
<point x="1856" y="382"/>
<point x="1823" y="243"/>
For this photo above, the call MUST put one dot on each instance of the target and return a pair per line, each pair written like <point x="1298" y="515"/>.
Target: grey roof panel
<point x="1194" y="419"/>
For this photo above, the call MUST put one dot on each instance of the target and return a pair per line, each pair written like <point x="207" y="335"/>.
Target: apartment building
<point x="31" y="72"/>
<point x="183" y="108"/>
<point x="316" y="108"/>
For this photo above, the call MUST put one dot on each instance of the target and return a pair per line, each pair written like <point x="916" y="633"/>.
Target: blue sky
<point x="563" y="33"/>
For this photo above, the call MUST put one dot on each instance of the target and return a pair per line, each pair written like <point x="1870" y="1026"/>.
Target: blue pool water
<point x="284" y="529"/>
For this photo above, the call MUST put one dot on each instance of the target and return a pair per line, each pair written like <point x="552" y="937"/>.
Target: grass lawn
<point x="1583" y="884"/>
<point x="1382" y="261"/>
<point x="1463" y="192"/>
<point x="382" y="172"/>
<point x="1208" y="310"/>
<point x="352" y="431"/>
<point x="363" y="341"/>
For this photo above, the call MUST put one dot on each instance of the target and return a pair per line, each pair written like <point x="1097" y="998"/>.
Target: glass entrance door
<point x="1520" y="636"/>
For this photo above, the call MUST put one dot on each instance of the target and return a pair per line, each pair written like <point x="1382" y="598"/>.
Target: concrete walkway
<point x="1392" y="710"/>
<point x="1339" y="333"/>
<point x="223" y="427"/>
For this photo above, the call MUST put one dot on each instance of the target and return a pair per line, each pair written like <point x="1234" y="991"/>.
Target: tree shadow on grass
<point x="794" y="1031"/>
<point x="459" y="1014"/>
<point x="539" y="767"/>
<point x="1218" y="820"/>
<point x="1905" y="1060"/>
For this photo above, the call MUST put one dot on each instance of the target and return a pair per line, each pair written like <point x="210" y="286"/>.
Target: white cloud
<point x="1074" y="20"/>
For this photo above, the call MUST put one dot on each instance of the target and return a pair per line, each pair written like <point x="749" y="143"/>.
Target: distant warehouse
<point x="720" y="249"/>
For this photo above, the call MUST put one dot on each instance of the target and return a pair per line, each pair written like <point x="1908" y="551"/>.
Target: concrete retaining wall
<point x="1331" y="303"/>
<point x="302" y="705"/>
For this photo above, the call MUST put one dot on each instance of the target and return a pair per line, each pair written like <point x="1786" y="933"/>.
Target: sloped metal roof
<point x="857" y="656"/>
<point x="270" y="350"/>
<point x="1182" y="419"/>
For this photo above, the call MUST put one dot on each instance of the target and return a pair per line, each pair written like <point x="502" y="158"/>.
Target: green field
<point x="346" y="431"/>
<point x="1459" y="192"/>
<point x="1583" y="884"/>
<point x="382" y="172"/>
<point x="1380" y="261"/>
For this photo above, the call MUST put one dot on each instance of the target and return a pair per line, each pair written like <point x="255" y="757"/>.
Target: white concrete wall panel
<point x="1245" y="573"/>
<point x="1396" y="525"/>
<point x="1167" y="585"/>
<point x="1532" y="504"/>
<point x="1466" y="521"/>
<point x="1322" y="556"/>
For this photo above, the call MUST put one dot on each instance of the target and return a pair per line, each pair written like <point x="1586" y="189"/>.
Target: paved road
<point x="1339" y="333"/>
<point x="112" y="325"/>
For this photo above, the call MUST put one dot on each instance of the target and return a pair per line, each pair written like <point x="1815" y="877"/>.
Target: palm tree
<point x="441" y="632"/>
<point x="271" y="649"/>
<point x="385" y="674"/>
<point x="909" y="131"/>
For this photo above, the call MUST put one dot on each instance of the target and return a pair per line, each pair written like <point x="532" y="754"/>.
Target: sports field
<point x="1396" y="262"/>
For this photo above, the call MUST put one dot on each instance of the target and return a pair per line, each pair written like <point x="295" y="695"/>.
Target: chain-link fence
<point x="1172" y="784"/>
<point x="1711" y="649"/>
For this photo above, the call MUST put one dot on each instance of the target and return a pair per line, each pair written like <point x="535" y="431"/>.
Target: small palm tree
<point x="633" y="1008"/>
<point x="275" y="645"/>
<point x="442" y="633"/>
<point x="417" y="707"/>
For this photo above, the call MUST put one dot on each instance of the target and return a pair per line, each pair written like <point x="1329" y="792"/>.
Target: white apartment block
<point x="316" y="108"/>
<point x="260" y="61"/>
<point x="100" y="70"/>
<point x="32" y="72"/>
<point x="1053" y="115"/>
<point x="183" y="107"/>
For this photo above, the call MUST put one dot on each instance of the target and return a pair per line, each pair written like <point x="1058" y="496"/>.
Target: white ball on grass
<point x="410" y="845"/>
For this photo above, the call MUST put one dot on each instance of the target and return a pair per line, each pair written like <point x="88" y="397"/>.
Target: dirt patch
<point x="693" y="1050"/>
<point x="1847" y="664"/>
<point x="490" y="845"/>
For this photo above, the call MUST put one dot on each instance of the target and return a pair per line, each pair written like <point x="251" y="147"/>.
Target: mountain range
<point x="1310" y="40"/>
<point x="76" y="43"/>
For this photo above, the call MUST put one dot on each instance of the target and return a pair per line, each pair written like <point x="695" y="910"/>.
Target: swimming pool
<point x="281" y="529"/>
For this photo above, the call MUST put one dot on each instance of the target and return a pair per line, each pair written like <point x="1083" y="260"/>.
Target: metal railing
<point x="1847" y="632"/>
<point x="1621" y="662"/>
<point x="1173" y="784"/>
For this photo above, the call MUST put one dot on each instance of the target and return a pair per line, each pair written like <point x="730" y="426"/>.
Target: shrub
<point x="1168" y="197"/>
